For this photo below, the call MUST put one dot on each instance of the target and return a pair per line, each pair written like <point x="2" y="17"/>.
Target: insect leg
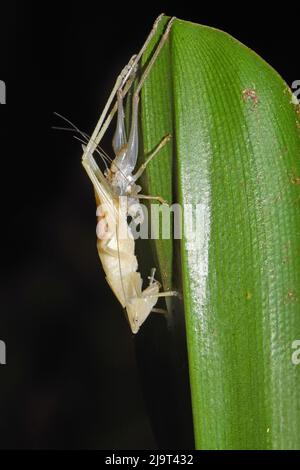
<point x="160" y="310"/>
<point x="132" y="146"/>
<point x="99" y="182"/>
<point x="94" y="140"/>
<point x="143" y="167"/>
<point x="169" y="293"/>
<point x="161" y="43"/>
<point x="110" y="117"/>
<point x="119" y="138"/>
<point x="122" y="79"/>
<point x="152" y="198"/>
<point x="148" y="160"/>
<point x="145" y="45"/>
<point x="152" y="281"/>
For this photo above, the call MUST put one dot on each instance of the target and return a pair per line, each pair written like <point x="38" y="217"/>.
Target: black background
<point x="75" y="377"/>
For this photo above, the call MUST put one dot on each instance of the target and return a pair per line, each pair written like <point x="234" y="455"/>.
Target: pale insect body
<point x="117" y="196"/>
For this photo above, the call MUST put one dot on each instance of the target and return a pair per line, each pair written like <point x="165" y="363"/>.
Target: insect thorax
<point x="122" y="184"/>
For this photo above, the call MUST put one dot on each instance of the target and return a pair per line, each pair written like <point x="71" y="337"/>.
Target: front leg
<point x="142" y="168"/>
<point x="153" y="198"/>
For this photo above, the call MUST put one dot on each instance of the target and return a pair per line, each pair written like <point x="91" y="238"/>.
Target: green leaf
<point x="235" y="152"/>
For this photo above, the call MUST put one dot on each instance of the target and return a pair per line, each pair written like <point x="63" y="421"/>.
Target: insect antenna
<point x="87" y="138"/>
<point x="102" y="155"/>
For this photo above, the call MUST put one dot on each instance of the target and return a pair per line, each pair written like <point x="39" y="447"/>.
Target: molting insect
<point x="117" y="193"/>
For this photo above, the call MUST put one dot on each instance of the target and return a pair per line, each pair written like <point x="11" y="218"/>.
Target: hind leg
<point x="152" y="281"/>
<point x="125" y="78"/>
